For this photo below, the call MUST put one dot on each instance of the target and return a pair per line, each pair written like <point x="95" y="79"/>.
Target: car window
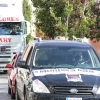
<point x="69" y="57"/>
<point x="18" y="59"/>
<point x="29" y="56"/>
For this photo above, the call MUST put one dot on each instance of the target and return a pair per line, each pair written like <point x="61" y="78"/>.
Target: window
<point x="29" y="56"/>
<point x="10" y="28"/>
<point x="60" y="56"/>
<point x="18" y="59"/>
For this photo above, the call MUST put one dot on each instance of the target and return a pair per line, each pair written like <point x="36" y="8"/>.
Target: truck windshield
<point x="11" y="28"/>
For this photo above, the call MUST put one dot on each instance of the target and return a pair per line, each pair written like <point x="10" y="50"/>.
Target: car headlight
<point x="39" y="87"/>
<point x="98" y="91"/>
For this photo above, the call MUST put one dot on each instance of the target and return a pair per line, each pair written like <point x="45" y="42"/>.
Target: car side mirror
<point x="9" y="65"/>
<point x="22" y="64"/>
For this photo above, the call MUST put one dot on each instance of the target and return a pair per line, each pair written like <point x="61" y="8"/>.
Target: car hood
<point x="68" y="77"/>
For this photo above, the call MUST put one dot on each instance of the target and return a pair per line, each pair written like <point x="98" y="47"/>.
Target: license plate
<point x="73" y="98"/>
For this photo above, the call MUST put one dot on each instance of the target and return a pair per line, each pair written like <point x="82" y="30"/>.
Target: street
<point x="4" y="87"/>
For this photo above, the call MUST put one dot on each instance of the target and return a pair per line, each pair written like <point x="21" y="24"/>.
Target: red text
<point x="11" y="19"/>
<point x="5" y="39"/>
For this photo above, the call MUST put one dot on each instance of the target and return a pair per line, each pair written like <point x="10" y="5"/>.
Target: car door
<point x="22" y="72"/>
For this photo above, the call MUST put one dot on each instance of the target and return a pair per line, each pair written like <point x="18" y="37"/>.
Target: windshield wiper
<point x="42" y="67"/>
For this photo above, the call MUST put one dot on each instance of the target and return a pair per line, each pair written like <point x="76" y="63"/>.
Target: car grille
<point x="66" y="90"/>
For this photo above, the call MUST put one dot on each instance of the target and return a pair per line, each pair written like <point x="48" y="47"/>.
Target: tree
<point x="29" y="38"/>
<point x="94" y="29"/>
<point x="49" y="16"/>
<point x="64" y="17"/>
<point x="81" y="18"/>
<point x="27" y="12"/>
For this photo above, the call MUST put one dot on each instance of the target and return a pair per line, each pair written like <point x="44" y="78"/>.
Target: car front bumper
<point x="39" y="96"/>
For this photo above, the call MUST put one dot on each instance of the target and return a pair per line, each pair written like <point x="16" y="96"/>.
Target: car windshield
<point x="65" y="57"/>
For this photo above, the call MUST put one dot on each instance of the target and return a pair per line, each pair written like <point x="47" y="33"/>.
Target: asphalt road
<point x="4" y="87"/>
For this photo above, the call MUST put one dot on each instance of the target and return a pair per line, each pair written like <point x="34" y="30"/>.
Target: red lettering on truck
<point x="11" y="19"/>
<point x="5" y="39"/>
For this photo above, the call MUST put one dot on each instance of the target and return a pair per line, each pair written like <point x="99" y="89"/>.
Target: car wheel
<point x="9" y="90"/>
<point x="17" y="96"/>
<point x="12" y="94"/>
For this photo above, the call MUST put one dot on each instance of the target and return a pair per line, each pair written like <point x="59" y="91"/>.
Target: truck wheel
<point x="12" y="94"/>
<point x="9" y="90"/>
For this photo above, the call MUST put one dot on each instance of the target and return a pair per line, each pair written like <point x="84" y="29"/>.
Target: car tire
<point x="12" y="94"/>
<point x="17" y="96"/>
<point x="9" y="90"/>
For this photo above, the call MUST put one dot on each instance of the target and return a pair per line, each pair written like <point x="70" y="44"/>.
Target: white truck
<point x="13" y="31"/>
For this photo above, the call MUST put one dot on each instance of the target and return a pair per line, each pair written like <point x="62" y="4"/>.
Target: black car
<point x="58" y="70"/>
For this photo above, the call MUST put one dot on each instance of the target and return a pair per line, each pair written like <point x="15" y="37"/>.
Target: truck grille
<point x="66" y="90"/>
<point x="8" y="49"/>
<point x="5" y="50"/>
<point x="5" y="55"/>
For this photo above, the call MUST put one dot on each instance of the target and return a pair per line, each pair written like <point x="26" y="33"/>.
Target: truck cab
<point x="13" y="30"/>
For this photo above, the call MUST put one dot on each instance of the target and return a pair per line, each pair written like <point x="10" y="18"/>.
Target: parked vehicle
<point x="58" y="70"/>
<point x="12" y="74"/>
<point x="13" y="30"/>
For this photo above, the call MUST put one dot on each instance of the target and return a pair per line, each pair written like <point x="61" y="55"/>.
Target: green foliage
<point x="81" y="18"/>
<point x="68" y="9"/>
<point x="64" y="17"/>
<point x="94" y="29"/>
<point x="29" y="38"/>
<point x="27" y="11"/>
<point x="49" y="16"/>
